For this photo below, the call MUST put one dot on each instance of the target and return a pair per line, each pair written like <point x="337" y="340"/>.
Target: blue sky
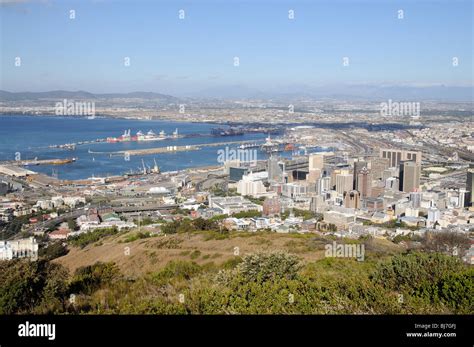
<point x="176" y="56"/>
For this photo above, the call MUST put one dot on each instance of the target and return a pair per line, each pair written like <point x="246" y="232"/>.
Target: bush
<point x="263" y="267"/>
<point x="87" y="238"/>
<point x="180" y="270"/>
<point x="415" y="272"/>
<point x="87" y="279"/>
<point x="247" y="214"/>
<point x="137" y="236"/>
<point x="53" y="251"/>
<point x="32" y="287"/>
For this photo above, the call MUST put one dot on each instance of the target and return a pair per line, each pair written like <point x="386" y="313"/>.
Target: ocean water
<point x="31" y="135"/>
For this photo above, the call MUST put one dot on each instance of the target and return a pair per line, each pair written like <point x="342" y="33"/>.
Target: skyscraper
<point x="343" y="183"/>
<point x="316" y="161"/>
<point x="409" y="176"/>
<point x="352" y="199"/>
<point x="364" y="182"/>
<point x="313" y="175"/>
<point x="276" y="169"/>
<point x="324" y="184"/>
<point x="378" y="166"/>
<point x="470" y="186"/>
<point x="396" y="156"/>
<point x="415" y="198"/>
<point x="358" y="166"/>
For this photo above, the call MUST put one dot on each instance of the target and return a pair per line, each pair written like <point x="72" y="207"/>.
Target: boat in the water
<point x="150" y="136"/>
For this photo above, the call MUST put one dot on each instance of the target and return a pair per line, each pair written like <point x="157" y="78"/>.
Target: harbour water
<point x="31" y="136"/>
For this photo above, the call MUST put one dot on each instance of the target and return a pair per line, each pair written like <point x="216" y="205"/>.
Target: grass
<point x="137" y="236"/>
<point x="195" y="254"/>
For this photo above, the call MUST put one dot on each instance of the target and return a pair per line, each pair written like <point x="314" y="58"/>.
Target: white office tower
<point x="325" y="184"/>
<point x="433" y="216"/>
<point x="251" y="185"/>
<point x="392" y="184"/>
<point x="276" y="169"/>
<point x="415" y="198"/>
<point x="317" y="203"/>
<point x="462" y="198"/>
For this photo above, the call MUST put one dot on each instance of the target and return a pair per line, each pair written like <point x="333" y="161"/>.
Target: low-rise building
<point x="233" y="204"/>
<point x="22" y="248"/>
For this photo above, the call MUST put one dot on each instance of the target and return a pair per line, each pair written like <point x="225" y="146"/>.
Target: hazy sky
<point x="172" y="55"/>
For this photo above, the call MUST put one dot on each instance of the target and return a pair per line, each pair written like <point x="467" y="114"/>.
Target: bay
<point x="30" y="136"/>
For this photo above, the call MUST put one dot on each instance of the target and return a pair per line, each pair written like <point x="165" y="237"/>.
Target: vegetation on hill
<point x="262" y="283"/>
<point x="84" y="239"/>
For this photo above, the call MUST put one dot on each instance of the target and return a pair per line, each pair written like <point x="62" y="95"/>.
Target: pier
<point x="34" y="162"/>
<point x="171" y="149"/>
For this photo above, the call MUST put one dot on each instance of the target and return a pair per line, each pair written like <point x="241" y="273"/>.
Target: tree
<point x="71" y="223"/>
<point x="52" y="251"/>
<point x="32" y="287"/>
<point x="204" y="224"/>
<point x="449" y="242"/>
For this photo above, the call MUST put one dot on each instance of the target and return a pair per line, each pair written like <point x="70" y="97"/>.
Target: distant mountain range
<point x="362" y="92"/>
<point x="80" y="95"/>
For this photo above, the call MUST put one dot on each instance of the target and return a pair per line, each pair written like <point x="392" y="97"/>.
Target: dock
<point x="170" y="149"/>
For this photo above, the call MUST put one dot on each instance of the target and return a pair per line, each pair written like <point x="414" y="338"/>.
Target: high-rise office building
<point x="392" y="183"/>
<point x="343" y="183"/>
<point x="462" y="202"/>
<point x="352" y="199"/>
<point x="313" y="175"/>
<point x="364" y="182"/>
<point x="377" y="167"/>
<point x="470" y="186"/>
<point x="409" y="176"/>
<point x="395" y="156"/>
<point x="276" y="169"/>
<point x="358" y="166"/>
<point x="415" y="199"/>
<point x="250" y="185"/>
<point x="317" y="203"/>
<point x="324" y="184"/>
<point x="316" y="161"/>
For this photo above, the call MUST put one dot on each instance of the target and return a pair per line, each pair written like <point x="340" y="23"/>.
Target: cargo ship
<point x="63" y="161"/>
<point x="48" y="161"/>
<point x="249" y="145"/>
<point x="231" y="131"/>
<point x="150" y="136"/>
<point x="140" y="136"/>
<point x="125" y="137"/>
<point x="276" y="146"/>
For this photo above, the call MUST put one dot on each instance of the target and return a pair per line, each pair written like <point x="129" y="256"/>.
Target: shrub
<point x="52" y="251"/>
<point x="87" y="238"/>
<point x="181" y="270"/>
<point x="31" y="287"/>
<point x="262" y="267"/>
<point x="416" y="271"/>
<point x="87" y="279"/>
